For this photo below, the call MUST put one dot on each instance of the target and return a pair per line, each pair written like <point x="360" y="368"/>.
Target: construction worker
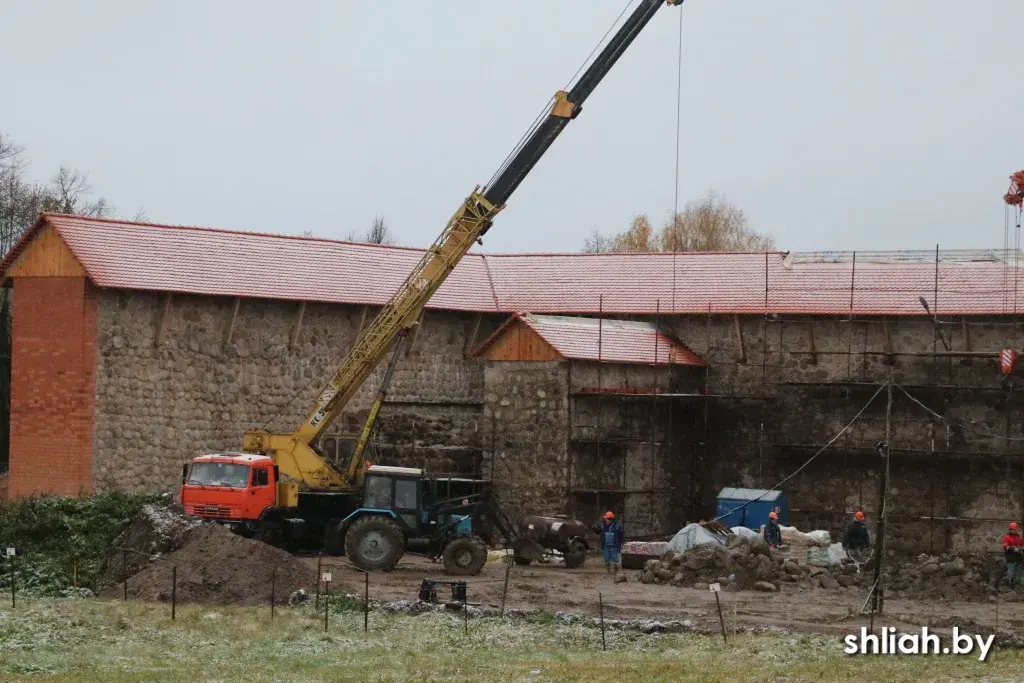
<point x="772" y="532"/>
<point x="1013" y="546"/>
<point x="857" y="538"/>
<point x="611" y="542"/>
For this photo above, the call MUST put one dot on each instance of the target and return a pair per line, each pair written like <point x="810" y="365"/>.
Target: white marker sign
<point x="10" y="552"/>
<point x="715" y="588"/>
<point x="326" y="577"/>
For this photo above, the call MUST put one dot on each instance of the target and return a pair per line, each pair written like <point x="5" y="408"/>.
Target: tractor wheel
<point x="374" y="542"/>
<point x="334" y="539"/>
<point x="464" y="556"/>
<point x="522" y="561"/>
<point x="576" y="555"/>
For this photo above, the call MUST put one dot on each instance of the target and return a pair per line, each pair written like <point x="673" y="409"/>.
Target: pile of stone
<point x="747" y="564"/>
<point x="951" y="576"/>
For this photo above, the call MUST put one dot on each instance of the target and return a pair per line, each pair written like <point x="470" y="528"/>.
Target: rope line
<point x="810" y="459"/>
<point x="955" y="423"/>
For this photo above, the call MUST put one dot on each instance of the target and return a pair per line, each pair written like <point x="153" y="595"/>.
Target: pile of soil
<point x="951" y="576"/>
<point x="155" y="531"/>
<point x="745" y="564"/>
<point x="216" y="566"/>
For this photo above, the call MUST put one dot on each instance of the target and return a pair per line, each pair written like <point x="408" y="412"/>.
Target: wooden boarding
<point x="520" y="343"/>
<point x="46" y="256"/>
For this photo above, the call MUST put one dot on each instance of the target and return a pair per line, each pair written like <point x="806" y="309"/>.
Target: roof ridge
<point x="225" y="231"/>
<point x="637" y="253"/>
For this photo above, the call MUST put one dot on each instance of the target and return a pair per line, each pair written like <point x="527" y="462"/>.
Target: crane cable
<point x="541" y="117"/>
<point x="546" y="110"/>
<point x="675" y="199"/>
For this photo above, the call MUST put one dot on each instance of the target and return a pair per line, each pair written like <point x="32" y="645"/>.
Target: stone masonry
<point x="130" y="410"/>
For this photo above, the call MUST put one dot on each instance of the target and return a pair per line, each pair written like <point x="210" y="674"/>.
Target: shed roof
<point x="594" y="339"/>
<point x="730" y="493"/>
<point x="196" y="260"/>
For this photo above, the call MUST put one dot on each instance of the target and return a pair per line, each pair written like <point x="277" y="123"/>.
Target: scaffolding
<point x="832" y="327"/>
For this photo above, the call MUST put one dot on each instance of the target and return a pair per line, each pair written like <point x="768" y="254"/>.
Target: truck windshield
<point x="219" y="474"/>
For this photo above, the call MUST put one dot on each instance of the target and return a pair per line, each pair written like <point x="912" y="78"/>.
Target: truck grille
<point x="211" y="511"/>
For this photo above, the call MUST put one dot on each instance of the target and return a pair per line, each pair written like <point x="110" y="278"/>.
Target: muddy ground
<point x="555" y="589"/>
<point x="214" y="566"/>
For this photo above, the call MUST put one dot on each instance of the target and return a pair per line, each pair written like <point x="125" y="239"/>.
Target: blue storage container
<point x="750" y="507"/>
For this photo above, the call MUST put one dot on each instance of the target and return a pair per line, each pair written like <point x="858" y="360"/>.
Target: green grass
<point x="101" y="640"/>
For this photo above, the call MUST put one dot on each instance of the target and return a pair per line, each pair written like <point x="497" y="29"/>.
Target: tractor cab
<point x="403" y="510"/>
<point x="397" y="491"/>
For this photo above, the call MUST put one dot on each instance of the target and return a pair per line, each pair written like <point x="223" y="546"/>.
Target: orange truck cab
<point x="231" y="488"/>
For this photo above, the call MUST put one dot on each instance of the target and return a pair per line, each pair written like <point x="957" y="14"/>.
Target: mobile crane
<point x="281" y="488"/>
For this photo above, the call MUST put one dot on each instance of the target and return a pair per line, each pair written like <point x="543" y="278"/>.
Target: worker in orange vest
<point x="1013" y="545"/>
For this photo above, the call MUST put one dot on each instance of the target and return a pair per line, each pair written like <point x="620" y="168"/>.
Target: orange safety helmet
<point x="609" y="515"/>
<point x="773" y="515"/>
<point x="859" y="515"/>
<point x="1013" y="526"/>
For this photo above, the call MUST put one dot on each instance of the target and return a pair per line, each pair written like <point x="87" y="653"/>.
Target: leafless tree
<point x="379" y="233"/>
<point x="69" y="192"/>
<point x="596" y="243"/>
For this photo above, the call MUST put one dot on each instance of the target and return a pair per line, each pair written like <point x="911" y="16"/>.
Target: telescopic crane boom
<point x="294" y="453"/>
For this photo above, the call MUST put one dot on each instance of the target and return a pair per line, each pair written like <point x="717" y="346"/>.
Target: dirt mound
<point x="155" y="531"/>
<point x="744" y="564"/>
<point x="951" y="576"/>
<point x="216" y="566"/>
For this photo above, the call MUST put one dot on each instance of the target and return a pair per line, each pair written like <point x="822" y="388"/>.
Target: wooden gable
<point x="46" y="256"/>
<point x="518" y="342"/>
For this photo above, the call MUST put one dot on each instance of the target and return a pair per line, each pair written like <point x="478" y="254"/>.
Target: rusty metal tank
<point x="552" y="532"/>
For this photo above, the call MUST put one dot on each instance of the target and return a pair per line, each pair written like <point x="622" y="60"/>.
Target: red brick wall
<point x="53" y="369"/>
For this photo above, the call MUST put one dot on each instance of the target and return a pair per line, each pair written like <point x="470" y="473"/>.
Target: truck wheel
<point x="576" y="555"/>
<point x="334" y="539"/>
<point x="522" y="561"/>
<point x="464" y="556"/>
<point x="374" y="542"/>
<point x="270" y="530"/>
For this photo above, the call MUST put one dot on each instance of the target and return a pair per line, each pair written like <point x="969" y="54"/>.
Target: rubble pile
<point x="218" y="567"/>
<point x="748" y="564"/>
<point x="213" y="564"/>
<point x="155" y="531"/>
<point x="952" y="576"/>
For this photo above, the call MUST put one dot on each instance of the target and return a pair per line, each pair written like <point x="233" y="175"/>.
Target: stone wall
<point x="159" y="406"/>
<point x="950" y="486"/>
<point x="526" y="413"/>
<point x="525" y="424"/>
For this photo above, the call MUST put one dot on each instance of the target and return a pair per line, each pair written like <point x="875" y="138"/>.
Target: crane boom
<point x="294" y="453"/>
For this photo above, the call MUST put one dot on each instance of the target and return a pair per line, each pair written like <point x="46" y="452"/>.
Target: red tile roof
<point x="145" y="256"/>
<point x="611" y="341"/>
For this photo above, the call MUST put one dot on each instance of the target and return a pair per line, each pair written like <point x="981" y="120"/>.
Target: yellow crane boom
<point x="294" y="453"/>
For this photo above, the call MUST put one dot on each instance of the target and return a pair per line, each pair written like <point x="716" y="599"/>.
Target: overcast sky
<point x="877" y="124"/>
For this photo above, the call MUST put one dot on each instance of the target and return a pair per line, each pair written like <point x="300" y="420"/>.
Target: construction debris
<point x="214" y="565"/>
<point x="745" y="564"/>
<point x="155" y="531"/>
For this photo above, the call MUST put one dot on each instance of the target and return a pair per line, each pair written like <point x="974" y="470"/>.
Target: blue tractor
<point x="401" y="510"/>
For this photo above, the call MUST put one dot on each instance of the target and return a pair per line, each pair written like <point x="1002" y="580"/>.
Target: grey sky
<point x="835" y="125"/>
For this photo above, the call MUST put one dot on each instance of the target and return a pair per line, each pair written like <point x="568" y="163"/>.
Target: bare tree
<point x="68" y="193"/>
<point x="379" y="233"/>
<point x="708" y="224"/>
<point x="596" y="243"/>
